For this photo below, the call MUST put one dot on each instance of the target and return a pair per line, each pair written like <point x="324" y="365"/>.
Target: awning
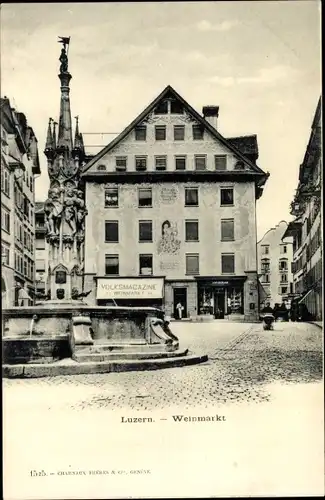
<point x="305" y="296"/>
<point x="292" y="229"/>
<point x="262" y="292"/>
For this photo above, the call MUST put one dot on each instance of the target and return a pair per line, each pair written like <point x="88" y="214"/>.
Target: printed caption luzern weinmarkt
<point x="174" y="418"/>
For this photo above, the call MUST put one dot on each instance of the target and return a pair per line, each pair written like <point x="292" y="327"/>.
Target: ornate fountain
<point x="61" y="334"/>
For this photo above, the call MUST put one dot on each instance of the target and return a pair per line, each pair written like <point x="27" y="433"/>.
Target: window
<point x="200" y="162"/>
<point x="25" y="267"/>
<point x="145" y="197"/>
<point x="101" y="167"/>
<point x="140" y="163"/>
<point x="140" y="133"/>
<point x="265" y="265"/>
<point x="191" y="197"/>
<point x="265" y="278"/>
<point x="40" y="265"/>
<point x="197" y="132"/>
<point x="283" y="248"/>
<point x="191" y="230"/>
<point x="111" y="231"/>
<point x="5" y="255"/>
<point x="161" y="162"/>
<point x="227" y="230"/>
<point x="227" y="263"/>
<point x="180" y="162"/>
<point x="226" y="196"/>
<point x="283" y="265"/>
<point x="283" y="290"/>
<point x="145" y="264"/>
<point x="111" y="197"/>
<point x="161" y="108"/>
<point x="5" y="180"/>
<point x="179" y="132"/>
<point x="176" y="107"/>
<point x="40" y="244"/>
<point x="111" y="264"/>
<point x="265" y="249"/>
<point x="160" y="132"/>
<point x="5" y="219"/>
<point x="120" y="163"/>
<point x="284" y="278"/>
<point x="220" y="162"/>
<point x="192" y="263"/>
<point x="31" y="184"/>
<point x="145" y="231"/>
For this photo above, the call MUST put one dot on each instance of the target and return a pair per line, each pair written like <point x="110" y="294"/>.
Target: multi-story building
<point x="275" y="256"/>
<point x="19" y="166"/>
<point x="306" y="228"/>
<point x="171" y="214"/>
<point x="41" y="250"/>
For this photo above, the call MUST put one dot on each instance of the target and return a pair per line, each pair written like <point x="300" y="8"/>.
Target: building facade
<point x="275" y="256"/>
<point x="306" y="228"/>
<point x="172" y="214"/>
<point x="41" y="250"/>
<point x="19" y="166"/>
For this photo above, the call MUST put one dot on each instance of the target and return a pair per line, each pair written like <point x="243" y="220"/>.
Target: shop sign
<point x="220" y="283"/>
<point x="130" y="288"/>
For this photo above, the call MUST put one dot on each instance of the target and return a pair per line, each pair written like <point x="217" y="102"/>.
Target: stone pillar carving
<point x="65" y="209"/>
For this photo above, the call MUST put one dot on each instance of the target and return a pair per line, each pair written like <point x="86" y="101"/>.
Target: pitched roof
<point x="170" y="92"/>
<point x="247" y="144"/>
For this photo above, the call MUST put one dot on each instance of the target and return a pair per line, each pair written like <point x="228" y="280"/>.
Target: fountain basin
<point x="28" y="349"/>
<point x="71" y="338"/>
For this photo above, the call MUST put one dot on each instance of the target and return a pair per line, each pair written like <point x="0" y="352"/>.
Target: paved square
<point x="243" y="361"/>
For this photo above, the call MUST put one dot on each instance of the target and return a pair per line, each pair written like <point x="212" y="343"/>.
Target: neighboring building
<point x="41" y="250"/>
<point x="306" y="228"/>
<point x="171" y="214"/>
<point x="19" y="166"/>
<point x="275" y="257"/>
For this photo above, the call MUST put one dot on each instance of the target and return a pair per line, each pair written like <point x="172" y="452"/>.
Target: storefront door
<point x="219" y="304"/>
<point x="180" y="297"/>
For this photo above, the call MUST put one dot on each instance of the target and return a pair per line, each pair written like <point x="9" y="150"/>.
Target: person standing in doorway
<point x="179" y="308"/>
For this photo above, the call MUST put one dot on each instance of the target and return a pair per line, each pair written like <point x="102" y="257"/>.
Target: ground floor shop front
<point x="216" y="296"/>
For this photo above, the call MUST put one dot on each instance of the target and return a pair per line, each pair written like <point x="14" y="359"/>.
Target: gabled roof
<point x="247" y="144"/>
<point x="170" y="92"/>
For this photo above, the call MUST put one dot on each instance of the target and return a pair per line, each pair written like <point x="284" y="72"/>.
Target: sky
<point x="259" y="61"/>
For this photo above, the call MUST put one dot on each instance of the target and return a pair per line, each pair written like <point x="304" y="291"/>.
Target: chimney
<point x="210" y="114"/>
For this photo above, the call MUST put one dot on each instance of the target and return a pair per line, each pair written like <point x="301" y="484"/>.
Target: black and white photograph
<point x="161" y="244"/>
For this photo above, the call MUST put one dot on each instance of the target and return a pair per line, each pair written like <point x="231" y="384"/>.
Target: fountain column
<point x="65" y="206"/>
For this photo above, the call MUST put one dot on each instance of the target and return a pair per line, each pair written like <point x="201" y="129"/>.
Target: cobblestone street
<point x="259" y="383"/>
<point x="243" y="361"/>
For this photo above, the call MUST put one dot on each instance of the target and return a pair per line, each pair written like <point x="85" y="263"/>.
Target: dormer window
<point x="161" y="108"/>
<point x="101" y="167"/>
